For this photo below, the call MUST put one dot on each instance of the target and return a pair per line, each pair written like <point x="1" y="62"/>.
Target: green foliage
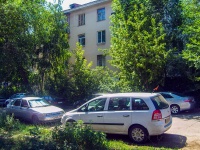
<point x="33" y="43"/>
<point x="77" y="136"/>
<point x="191" y="29"/>
<point x="8" y="123"/>
<point x="81" y="78"/>
<point x="138" y="47"/>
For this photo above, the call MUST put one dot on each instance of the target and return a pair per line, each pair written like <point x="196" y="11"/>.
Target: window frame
<point x="81" y="19"/>
<point x="102" y="37"/>
<point x="81" y="39"/>
<point x="101" y="14"/>
<point x="101" y="60"/>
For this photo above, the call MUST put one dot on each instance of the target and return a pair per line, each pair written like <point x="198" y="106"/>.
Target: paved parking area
<point x="184" y="133"/>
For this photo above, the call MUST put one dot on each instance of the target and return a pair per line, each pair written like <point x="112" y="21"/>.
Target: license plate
<point x="167" y="120"/>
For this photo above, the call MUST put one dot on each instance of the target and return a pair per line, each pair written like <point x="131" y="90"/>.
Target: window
<point x="17" y="102"/>
<point x="81" y="39"/>
<point x="101" y="60"/>
<point x="159" y="102"/>
<point x="166" y="95"/>
<point x="139" y="104"/>
<point x="81" y="19"/>
<point x="119" y="103"/>
<point x="95" y="105"/>
<point x="100" y="14"/>
<point x="101" y="36"/>
<point x="24" y="103"/>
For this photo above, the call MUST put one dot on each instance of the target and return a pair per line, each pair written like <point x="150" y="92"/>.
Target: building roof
<point x="86" y="5"/>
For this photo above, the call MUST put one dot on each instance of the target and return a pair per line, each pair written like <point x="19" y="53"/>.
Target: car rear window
<point x="159" y="102"/>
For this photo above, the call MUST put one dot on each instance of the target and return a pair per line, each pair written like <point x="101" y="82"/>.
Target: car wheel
<point x="35" y="120"/>
<point x="70" y="123"/>
<point x="138" y="134"/>
<point x="175" y="109"/>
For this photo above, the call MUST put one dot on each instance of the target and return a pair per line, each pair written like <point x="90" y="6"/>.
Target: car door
<point x="15" y="108"/>
<point x="117" y="118"/>
<point x="25" y="112"/>
<point x="93" y="113"/>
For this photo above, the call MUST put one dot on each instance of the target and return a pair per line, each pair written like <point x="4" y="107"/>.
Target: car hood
<point x="47" y="109"/>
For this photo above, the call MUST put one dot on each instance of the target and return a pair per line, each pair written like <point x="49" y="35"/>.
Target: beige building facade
<point x="89" y="25"/>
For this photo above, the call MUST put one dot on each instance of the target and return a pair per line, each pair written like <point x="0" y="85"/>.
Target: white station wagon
<point x="139" y="115"/>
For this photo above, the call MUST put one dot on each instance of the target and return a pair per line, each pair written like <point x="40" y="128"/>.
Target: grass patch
<point x="15" y="135"/>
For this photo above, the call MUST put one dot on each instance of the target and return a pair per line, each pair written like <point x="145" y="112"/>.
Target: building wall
<point x="90" y="29"/>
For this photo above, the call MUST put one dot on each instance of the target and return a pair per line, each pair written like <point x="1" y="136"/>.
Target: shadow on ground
<point x="172" y="141"/>
<point x="194" y="114"/>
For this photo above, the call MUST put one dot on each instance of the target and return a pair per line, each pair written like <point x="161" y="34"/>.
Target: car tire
<point x="138" y="134"/>
<point x="35" y="120"/>
<point x="70" y="123"/>
<point x="175" y="109"/>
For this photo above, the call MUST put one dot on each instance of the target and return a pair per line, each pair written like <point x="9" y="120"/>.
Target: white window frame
<point x="101" y="60"/>
<point x="101" y="14"/>
<point x="81" y="19"/>
<point x="81" y="39"/>
<point x="101" y="36"/>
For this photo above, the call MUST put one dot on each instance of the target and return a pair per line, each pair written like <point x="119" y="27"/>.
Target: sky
<point x="66" y="3"/>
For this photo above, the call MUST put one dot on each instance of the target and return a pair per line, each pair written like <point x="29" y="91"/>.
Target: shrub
<point x="8" y="123"/>
<point x="80" y="137"/>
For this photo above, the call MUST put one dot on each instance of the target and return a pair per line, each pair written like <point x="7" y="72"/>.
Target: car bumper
<point x="50" y="118"/>
<point x="159" y="127"/>
<point x="188" y="106"/>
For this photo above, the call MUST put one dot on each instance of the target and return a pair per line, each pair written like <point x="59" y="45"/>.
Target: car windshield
<point x="159" y="102"/>
<point x="38" y="103"/>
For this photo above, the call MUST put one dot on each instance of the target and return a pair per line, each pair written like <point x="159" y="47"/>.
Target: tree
<point x="137" y="44"/>
<point x="81" y="77"/>
<point x="33" y="41"/>
<point x="191" y="29"/>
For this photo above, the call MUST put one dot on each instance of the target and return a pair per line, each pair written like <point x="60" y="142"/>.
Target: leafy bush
<point x="8" y="123"/>
<point x="77" y="136"/>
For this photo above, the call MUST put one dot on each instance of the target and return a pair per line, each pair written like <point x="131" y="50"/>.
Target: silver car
<point x="139" y="115"/>
<point x="179" y="102"/>
<point x="34" y="109"/>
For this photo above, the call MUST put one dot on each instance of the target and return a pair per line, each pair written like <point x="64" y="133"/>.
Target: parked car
<point x="179" y="102"/>
<point x="14" y="96"/>
<point x="34" y="109"/>
<point x="2" y="101"/>
<point x="138" y="115"/>
<point x="60" y="102"/>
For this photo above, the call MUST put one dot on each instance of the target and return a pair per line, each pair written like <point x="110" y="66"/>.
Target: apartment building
<point x="89" y="25"/>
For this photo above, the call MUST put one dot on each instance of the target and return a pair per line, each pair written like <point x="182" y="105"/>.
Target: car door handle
<point x="99" y="116"/>
<point x="126" y="115"/>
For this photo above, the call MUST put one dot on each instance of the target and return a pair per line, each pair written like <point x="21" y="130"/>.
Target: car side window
<point x="139" y="104"/>
<point x="24" y="103"/>
<point x="166" y="95"/>
<point x="95" y="105"/>
<point x="17" y="102"/>
<point x="119" y="103"/>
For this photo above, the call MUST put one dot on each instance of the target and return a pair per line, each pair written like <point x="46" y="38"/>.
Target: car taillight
<point x="157" y="115"/>
<point x="188" y="100"/>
